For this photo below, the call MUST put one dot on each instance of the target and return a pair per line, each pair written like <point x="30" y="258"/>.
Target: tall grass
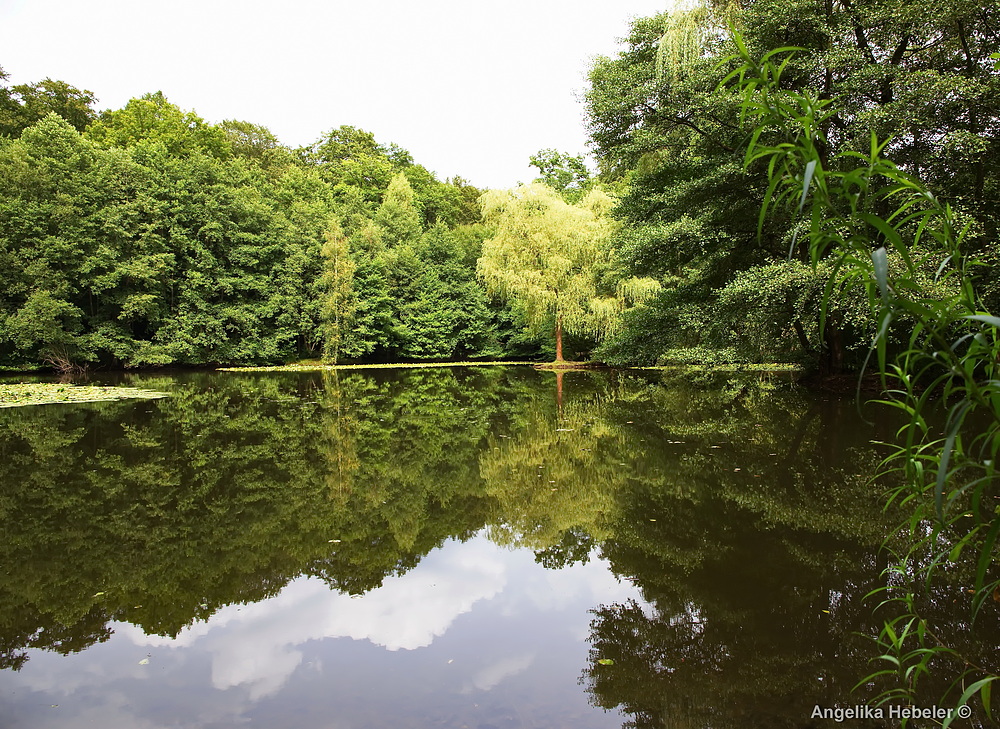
<point x="935" y="344"/>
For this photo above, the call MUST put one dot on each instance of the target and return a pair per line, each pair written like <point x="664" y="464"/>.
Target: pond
<point x="452" y="547"/>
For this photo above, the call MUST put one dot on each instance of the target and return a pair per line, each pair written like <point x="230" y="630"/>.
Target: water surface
<point x="441" y="548"/>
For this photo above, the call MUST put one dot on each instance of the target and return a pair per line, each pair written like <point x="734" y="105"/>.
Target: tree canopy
<point x="550" y="257"/>
<point x="148" y="235"/>
<point x="661" y="125"/>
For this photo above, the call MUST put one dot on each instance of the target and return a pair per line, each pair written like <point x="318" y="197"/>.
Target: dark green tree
<point x="691" y="209"/>
<point x="24" y="104"/>
<point x="566" y="175"/>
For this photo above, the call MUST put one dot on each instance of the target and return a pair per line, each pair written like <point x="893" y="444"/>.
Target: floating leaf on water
<point x="98" y="594"/>
<point x="144" y="662"/>
<point x="605" y="661"/>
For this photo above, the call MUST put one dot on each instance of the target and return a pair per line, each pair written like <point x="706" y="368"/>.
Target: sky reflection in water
<point x="476" y="635"/>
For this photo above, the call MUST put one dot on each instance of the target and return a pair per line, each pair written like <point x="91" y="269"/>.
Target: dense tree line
<point x="147" y="236"/>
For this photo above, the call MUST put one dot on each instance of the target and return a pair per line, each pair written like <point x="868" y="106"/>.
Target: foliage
<point x="397" y="216"/>
<point x="661" y="126"/>
<point x="156" y="238"/>
<point x="153" y="119"/>
<point x="257" y="144"/>
<point x="863" y="211"/>
<point x="336" y="282"/>
<point x="549" y="256"/>
<point x="566" y="175"/>
<point x="22" y="105"/>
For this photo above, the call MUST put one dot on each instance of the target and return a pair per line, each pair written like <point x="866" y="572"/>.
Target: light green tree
<point x="337" y="282"/>
<point x="398" y="215"/>
<point x="548" y="256"/>
<point x="154" y="119"/>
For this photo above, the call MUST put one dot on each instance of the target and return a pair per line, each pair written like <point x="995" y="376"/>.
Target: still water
<point x="473" y="548"/>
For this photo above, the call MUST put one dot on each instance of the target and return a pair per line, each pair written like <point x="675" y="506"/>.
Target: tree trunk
<point x="833" y="353"/>
<point x="559" y="357"/>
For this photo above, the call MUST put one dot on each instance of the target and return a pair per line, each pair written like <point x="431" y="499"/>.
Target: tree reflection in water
<point x="738" y="505"/>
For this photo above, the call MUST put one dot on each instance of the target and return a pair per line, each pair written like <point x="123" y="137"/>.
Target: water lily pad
<point x="47" y="393"/>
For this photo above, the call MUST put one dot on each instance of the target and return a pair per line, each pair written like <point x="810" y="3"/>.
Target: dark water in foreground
<point x="444" y="548"/>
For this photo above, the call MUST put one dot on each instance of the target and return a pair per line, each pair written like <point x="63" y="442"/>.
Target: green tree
<point x="566" y="175"/>
<point x="373" y="314"/>
<point x="24" y="104"/>
<point x="154" y="119"/>
<point x="444" y="313"/>
<point x="354" y="164"/>
<point x="8" y="105"/>
<point x="397" y="216"/>
<point x="257" y="144"/>
<point x="547" y="255"/>
<point x="887" y="231"/>
<point x="336" y="279"/>
<point x="690" y="208"/>
<point x="46" y="188"/>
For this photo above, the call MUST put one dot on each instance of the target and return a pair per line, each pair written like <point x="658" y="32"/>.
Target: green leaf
<point x="993" y="320"/>
<point x="880" y="263"/>
<point x="969" y="693"/>
<point x="955" y="418"/>
<point x="806" y="182"/>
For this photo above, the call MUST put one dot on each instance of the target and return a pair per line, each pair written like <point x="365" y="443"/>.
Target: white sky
<point x="470" y="88"/>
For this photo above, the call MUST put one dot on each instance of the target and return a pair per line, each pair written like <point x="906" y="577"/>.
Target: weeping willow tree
<point x="685" y="31"/>
<point x="548" y="256"/>
<point x="681" y="40"/>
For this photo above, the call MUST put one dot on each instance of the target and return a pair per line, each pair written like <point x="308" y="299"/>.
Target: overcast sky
<point x="470" y="88"/>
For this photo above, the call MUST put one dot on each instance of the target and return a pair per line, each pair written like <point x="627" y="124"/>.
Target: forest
<point x="147" y="236"/>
